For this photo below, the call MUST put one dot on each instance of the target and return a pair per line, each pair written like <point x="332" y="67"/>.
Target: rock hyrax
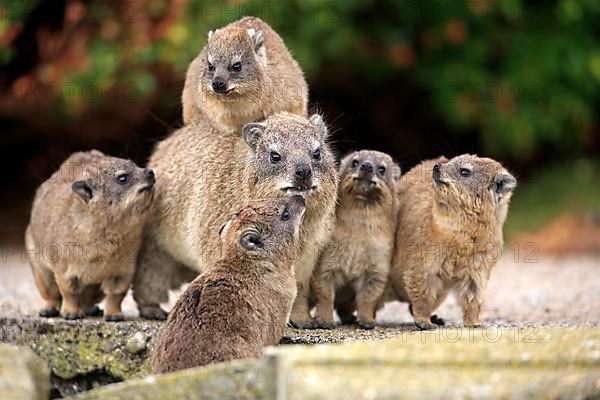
<point x="203" y="182"/>
<point x="244" y="73"/>
<point x="354" y="267"/>
<point x="242" y="302"/>
<point x="450" y="220"/>
<point x="85" y="231"/>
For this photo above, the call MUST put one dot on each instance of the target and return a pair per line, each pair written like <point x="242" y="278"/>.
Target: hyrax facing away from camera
<point x="203" y="181"/>
<point x="354" y="267"/>
<point x="242" y="302"/>
<point x="244" y="73"/>
<point x="449" y="236"/>
<point x="85" y="231"/>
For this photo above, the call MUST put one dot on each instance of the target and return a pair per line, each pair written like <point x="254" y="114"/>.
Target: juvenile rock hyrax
<point x="85" y="231"/>
<point x="203" y="181"/>
<point x="242" y="302"/>
<point x="354" y="267"/>
<point x="244" y="73"/>
<point x="450" y="219"/>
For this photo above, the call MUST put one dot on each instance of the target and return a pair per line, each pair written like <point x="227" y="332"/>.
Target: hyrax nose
<point x="366" y="167"/>
<point x="303" y="172"/>
<point x="218" y="85"/>
<point x="437" y="171"/>
<point x="149" y="174"/>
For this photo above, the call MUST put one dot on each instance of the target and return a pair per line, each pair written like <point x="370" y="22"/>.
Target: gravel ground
<point x="561" y="292"/>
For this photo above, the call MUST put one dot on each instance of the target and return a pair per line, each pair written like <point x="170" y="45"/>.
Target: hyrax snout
<point x="91" y="213"/>
<point x="450" y="219"/>
<point x="242" y="302"/>
<point x="354" y="267"/>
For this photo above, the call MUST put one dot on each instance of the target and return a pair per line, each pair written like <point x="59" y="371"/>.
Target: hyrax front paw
<point x="114" y="318"/>
<point x="74" y="315"/>
<point x="437" y="320"/>
<point x="49" y="312"/>
<point x="425" y="325"/>
<point x="153" y="312"/>
<point x="319" y="324"/>
<point x="473" y="324"/>
<point x="303" y="324"/>
<point x="365" y="324"/>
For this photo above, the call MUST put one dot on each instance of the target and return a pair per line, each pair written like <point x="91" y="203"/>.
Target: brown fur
<point x="205" y="176"/>
<point x="242" y="302"/>
<point x="449" y="233"/>
<point x="270" y="80"/>
<point x="93" y="225"/>
<point x="359" y="255"/>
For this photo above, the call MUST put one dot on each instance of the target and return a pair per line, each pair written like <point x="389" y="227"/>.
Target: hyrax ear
<point x="252" y="133"/>
<point x="251" y="241"/>
<point x="258" y="42"/>
<point x="83" y="190"/>
<point x="210" y="33"/>
<point x="224" y="228"/>
<point x="317" y="121"/>
<point x="257" y="37"/>
<point x="397" y="172"/>
<point x="504" y="183"/>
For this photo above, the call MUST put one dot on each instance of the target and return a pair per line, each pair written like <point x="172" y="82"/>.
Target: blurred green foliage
<point x="525" y="75"/>
<point x="564" y="188"/>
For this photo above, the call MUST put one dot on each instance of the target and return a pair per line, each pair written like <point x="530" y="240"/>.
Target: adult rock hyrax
<point x="244" y="73"/>
<point x="242" y="302"/>
<point x="204" y="181"/>
<point x="450" y="219"/>
<point x="354" y="267"/>
<point x="84" y="233"/>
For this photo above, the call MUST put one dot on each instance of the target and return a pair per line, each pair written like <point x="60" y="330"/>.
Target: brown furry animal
<point x="85" y="230"/>
<point x="244" y="73"/>
<point x="242" y="302"/>
<point x="204" y="179"/>
<point x="449" y="236"/>
<point x="355" y="265"/>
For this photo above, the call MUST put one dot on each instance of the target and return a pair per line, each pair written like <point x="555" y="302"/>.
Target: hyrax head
<point x="469" y="182"/>
<point x="265" y="229"/>
<point x="289" y="156"/>
<point x="368" y="177"/>
<point x="115" y="188"/>
<point x="233" y="63"/>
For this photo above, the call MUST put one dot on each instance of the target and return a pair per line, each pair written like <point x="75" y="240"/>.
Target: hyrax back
<point x="242" y="302"/>
<point x="85" y="230"/>
<point x="203" y="182"/>
<point x="243" y="74"/>
<point x="354" y="266"/>
<point x="450" y="219"/>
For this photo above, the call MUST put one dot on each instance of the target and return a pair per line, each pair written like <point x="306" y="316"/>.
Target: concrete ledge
<point x="507" y="364"/>
<point x="89" y="353"/>
<point x="23" y="375"/>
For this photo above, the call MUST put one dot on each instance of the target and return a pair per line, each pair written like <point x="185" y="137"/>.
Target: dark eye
<point x="211" y="67"/>
<point x="285" y="215"/>
<point x="354" y="163"/>
<point x="237" y="67"/>
<point x="317" y="154"/>
<point x="123" y="179"/>
<point x="381" y="170"/>
<point x="275" y="157"/>
<point x="464" y="172"/>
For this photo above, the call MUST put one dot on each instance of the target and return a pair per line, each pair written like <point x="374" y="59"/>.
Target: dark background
<point x="515" y="80"/>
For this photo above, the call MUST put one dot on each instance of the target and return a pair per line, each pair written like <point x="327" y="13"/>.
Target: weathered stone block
<point x="445" y="364"/>
<point x="23" y="375"/>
